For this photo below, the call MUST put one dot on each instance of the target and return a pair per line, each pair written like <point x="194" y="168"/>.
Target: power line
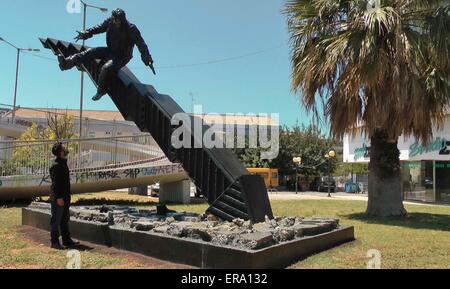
<point x="209" y="62"/>
<point x="39" y="56"/>
<point x="217" y="60"/>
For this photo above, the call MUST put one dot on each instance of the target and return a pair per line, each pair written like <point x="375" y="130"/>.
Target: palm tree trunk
<point x="385" y="188"/>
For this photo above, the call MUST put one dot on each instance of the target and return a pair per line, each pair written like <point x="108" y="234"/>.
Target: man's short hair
<point x="57" y="148"/>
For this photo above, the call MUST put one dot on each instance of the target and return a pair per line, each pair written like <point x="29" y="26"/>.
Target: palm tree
<point x="379" y="66"/>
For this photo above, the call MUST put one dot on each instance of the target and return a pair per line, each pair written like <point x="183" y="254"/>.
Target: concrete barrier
<point x="194" y="252"/>
<point x="18" y="192"/>
<point x="97" y="233"/>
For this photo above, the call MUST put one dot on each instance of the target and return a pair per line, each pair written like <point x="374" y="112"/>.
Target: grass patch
<point x="17" y="252"/>
<point x="421" y="240"/>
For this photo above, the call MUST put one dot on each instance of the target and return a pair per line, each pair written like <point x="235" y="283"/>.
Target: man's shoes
<point x="70" y="243"/>
<point x="66" y="63"/>
<point x="56" y="246"/>
<point x="98" y="96"/>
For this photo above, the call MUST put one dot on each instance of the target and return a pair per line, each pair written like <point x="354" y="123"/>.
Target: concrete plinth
<point x="195" y="252"/>
<point x="178" y="192"/>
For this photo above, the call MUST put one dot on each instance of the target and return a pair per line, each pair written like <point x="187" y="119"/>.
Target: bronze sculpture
<point x="121" y="37"/>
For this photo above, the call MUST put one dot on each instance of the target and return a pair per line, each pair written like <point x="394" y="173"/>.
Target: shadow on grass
<point x="102" y="201"/>
<point x="130" y="203"/>
<point x="80" y="247"/>
<point x="15" y="203"/>
<point x="412" y="220"/>
<point x="99" y="202"/>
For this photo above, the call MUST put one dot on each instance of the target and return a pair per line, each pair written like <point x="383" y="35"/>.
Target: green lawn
<point x="422" y="240"/>
<point x="17" y="252"/>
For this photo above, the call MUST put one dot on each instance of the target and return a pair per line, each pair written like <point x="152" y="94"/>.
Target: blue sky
<point x="178" y="32"/>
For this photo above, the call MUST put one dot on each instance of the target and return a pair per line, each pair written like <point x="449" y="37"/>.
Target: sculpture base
<point x="192" y="251"/>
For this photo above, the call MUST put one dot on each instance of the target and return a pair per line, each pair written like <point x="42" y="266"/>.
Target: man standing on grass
<point x="60" y="198"/>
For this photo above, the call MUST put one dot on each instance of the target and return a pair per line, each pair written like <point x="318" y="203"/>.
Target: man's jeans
<point x="60" y="221"/>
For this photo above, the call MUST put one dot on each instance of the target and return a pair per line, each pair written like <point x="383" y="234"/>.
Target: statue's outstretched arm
<point x="101" y="28"/>
<point x="142" y="46"/>
<point x="84" y="35"/>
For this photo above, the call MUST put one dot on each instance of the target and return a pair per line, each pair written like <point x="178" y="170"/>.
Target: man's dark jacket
<point x="121" y="41"/>
<point x="60" y="174"/>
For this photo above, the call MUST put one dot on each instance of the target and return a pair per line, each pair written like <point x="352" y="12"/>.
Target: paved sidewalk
<point x="285" y="195"/>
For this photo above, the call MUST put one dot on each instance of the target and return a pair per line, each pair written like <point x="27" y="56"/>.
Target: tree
<point x="309" y="144"/>
<point x="60" y="126"/>
<point x="306" y="142"/>
<point x="344" y="169"/>
<point x="382" y="68"/>
<point x="251" y="157"/>
<point x="32" y="152"/>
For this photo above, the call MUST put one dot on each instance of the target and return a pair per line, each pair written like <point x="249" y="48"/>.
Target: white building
<point x="425" y="168"/>
<point x="107" y="124"/>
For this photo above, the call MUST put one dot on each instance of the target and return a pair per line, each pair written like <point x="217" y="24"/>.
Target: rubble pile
<point x="208" y="228"/>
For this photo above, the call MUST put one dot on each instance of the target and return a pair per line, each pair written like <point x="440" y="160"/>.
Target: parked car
<point x="195" y="191"/>
<point x="320" y="184"/>
<point x="154" y="190"/>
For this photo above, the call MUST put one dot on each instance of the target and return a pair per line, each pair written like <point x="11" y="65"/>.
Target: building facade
<point x="425" y="168"/>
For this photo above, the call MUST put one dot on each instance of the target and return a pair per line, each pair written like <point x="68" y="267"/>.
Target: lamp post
<point x="17" y="71"/>
<point x="329" y="156"/>
<point x="104" y="10"/>
<point x="297" y="161"/>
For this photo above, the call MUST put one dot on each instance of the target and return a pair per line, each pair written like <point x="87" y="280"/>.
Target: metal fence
<point x="35" y="157"/>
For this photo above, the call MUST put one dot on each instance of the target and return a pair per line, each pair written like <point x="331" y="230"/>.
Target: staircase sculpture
<point x="232" y="192"/>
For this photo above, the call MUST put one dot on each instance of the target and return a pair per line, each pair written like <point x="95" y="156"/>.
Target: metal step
<point x="231" y="210"/>
<point x="235" y="194"/>
<point x="221" y="214"/>
<point x="233" y="202"/>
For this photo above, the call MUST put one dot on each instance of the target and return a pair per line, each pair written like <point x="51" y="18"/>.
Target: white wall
<point x="409" y="148"/>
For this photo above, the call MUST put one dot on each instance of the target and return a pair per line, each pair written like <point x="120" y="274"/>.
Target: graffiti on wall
<point x="91" y="177"/>
<point x="133" y="173"/>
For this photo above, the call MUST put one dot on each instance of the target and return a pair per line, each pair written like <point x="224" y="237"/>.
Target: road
<point x="285" y="195"/>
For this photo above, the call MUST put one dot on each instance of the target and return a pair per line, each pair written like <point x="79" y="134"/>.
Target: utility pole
<point x="104" y="10"/>
<point x="19" y="50"/>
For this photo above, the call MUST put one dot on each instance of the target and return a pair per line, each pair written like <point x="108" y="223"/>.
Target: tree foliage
<point x="33" y="152"/>
<point x="307" y="142"/>
<point x="385" y="67"/>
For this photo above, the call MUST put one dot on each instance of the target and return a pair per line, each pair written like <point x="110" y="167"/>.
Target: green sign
<point x="438" y="145"/>
<point x="362" y="152"/>
<point x="413" y="165"/>
<point x="442" y="165"/>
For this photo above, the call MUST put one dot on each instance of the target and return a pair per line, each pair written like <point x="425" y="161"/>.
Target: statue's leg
<point x="82" y="57"/>
<point x="109" y="69"/>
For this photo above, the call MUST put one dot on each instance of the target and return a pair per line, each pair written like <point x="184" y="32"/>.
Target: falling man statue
<point x="121" y="37"/>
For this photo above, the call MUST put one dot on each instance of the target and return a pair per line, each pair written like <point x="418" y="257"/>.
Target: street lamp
<point x="17" y="71"/>
<point x="297" y="161"/>
<point x="329" y="156"/>
<point x="103" y="10"/>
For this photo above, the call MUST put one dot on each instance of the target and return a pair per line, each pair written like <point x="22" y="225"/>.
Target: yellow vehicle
<point x="270" y="176"/>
